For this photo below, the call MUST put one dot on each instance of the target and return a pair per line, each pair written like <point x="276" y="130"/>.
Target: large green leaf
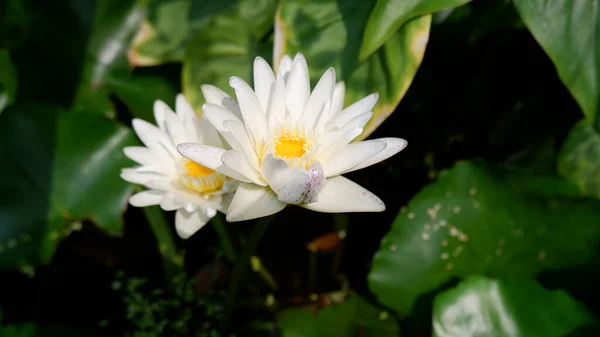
<point x="568" y="32"/>
<point x="8" y="80"/>
<point x="165" y="35"/>
<point x="483" y="307"/>
<point x="389" y="15"/>
<point x="59" y="168"/>
<point x="354" y="317"/>
<point x="482" y="219"/>
<point x="329" y="34"/>
<point x="579" y="158"/>
<point x="227" y="46"/>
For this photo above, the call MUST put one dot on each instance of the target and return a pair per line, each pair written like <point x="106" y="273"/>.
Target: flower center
<point x="289" y="144"/>
<point x="200" y="178"/>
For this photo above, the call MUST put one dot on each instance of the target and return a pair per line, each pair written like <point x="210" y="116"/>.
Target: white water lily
<point x="291" y="146"/>
<point x="173" y="181"/>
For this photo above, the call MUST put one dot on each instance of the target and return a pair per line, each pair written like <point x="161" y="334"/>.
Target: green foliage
<point x="579" y="158"/>
<point x="8" y="80"/>
<point x="568" y="30"/>
<point x="353" y="317"/>
<point x="227" y="46"/>
<point x="480" y="306"/>
<point x="60" y="168"/>
<point x="477" y="219"/>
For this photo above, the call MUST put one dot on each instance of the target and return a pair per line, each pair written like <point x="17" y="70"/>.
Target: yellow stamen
<point x="290" y="145"/>
<point x="196" y="170"/>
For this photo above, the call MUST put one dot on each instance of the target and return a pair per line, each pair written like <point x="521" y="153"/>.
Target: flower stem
<point x="224" y="237"/>
<point x="242" y="266"/>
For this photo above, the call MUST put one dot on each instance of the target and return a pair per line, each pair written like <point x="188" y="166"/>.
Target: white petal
<point x="393" y="146"/>
<point x="141" y="155"/>
<point x="154" y="139"/>
<point x="238" y="132"/>
<point x="364" y="105"/>
<point x="321" y="96"/>
<point x="134" y="176"/>
<point x="188" y="223"/>
<point x="252" y="113"/>
<point x="170" y="202"/>
<point x="337" y="103"/>
<point x="284" y="68"/>
<point x="217" y="115"/>
<point x="146" y="198"/>
<point x="276" y="111"/>
<point x="210" y="157"/>
<point x="237" y="161"/>
<point x="293" y="185"/>
<point x="351" y="156"/>
<point x="217" y="96"/>
<point x="200" y="129"/>
<point x="252" y="201"/>
<point x="264" y="81"/>
<point x="342" y="195"/>
<point x="161" y="109"/>
<point x="297" y="89"/>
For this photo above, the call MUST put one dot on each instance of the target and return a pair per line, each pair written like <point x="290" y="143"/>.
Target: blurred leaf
<point x="329" y="34"/>
<point x="140" y="90"/>
<point x="482" y="219"/>
<point x="164" y="37"/>
<point x="8" y="80"/>
<point x="227" y="46"/>
<point x="354" y="317"/>
<point x="567" y="30"/>
<point x="59" y="168"/>
<point x="482" y="307"/>
<point x="389" y="15"/>
<point x="579" y="158"/>
<point x="34" y="330"/>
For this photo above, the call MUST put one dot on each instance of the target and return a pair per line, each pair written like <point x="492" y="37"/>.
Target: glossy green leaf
<point x="567" y="30"/>
<point x="389" y="71"/>
<point x="227" y="46"/>
<point x="484" y="307"/>
<point x="165" y="35"/>
<point x="59" y="169"/>
<point x="389" y="15"/>
<point x="354" y="317"/>
<point x="482" y="219"/>
<point x="8" y="80"/>
<point x="579" y="158"/>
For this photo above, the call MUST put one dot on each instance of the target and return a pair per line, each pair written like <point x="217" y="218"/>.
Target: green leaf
<point x="482" y="307"/>
<point x="390" y="71"/>
<point x="227" y="46"/>
<point x="389" y="15"/>
<point x="59" y="168"/>
<point x="354" y="317"/>
<point x="567" y="30"/>
<point x="482" y="219"/>
<point x="164" y="37"/>
<point x="579" y="158"/>
<point x="8" y="80"/>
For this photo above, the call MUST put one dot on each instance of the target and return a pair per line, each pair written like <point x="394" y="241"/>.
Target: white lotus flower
<point x="289" y="146"/>
<point x="173" y="181"/>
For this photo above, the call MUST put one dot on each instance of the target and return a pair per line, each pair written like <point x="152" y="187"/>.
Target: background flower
<point x="174" y="182"/>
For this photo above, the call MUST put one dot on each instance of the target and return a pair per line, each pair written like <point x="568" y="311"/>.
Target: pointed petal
<point x="284" y="68"/>
<point x="237" y="161"/>
<point x="188" y="223"/>
<point x="394" y="145"/>
<point x="146" y="198"/>
<point x="351" y="156"/>
<point x="252" y="201"/>
<point x="200" y="128"/>
<point x="210" y="157"/>
<point x="264" y="81"/>
<point x="161" y="109"/>
<point x="254" y="116"/>
<point x="321" y="96"/>
<point x="297" y="88"/>
<point x="293" y="185"/>
<point x="141" y="155"/>
<point x="154" y="139"/>
<point x="276" y="112"/>
<point x="237" y="131"/>
<point x="217" y="115"/>
<point x="342" y="195"/>
<point x="364" y="105"/>
<point x="339" y="93"/>
<point x="217" y="96"/>
<point x="134" y="176"/>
